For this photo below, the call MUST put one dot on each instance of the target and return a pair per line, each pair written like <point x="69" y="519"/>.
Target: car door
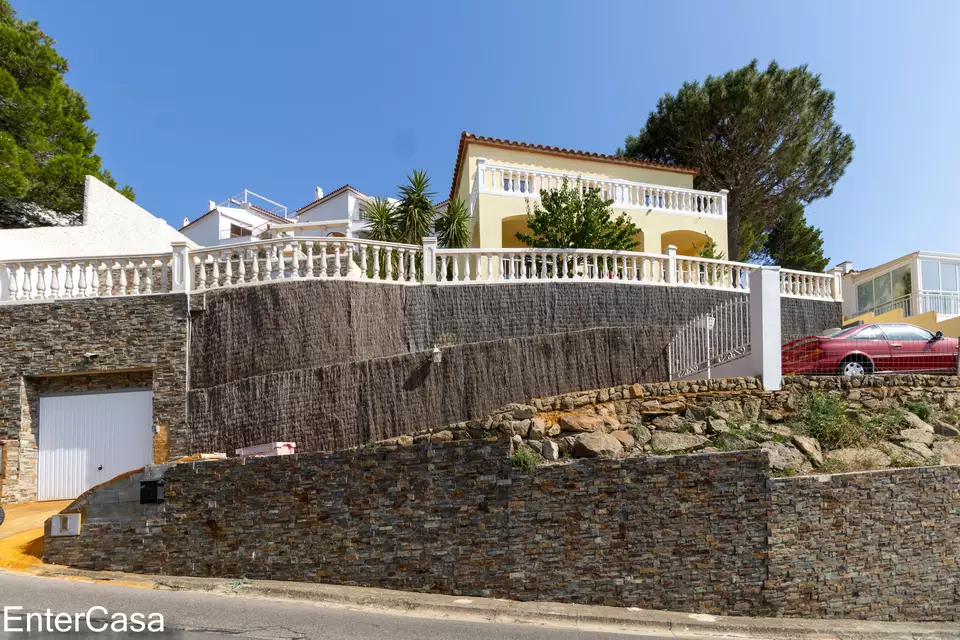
<point x="871" y="341"/>
<point x="913" y="348"/>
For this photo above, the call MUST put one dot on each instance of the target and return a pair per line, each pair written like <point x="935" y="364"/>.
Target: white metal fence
<point x="306" y="257"/>
<point x="710" y="340"/>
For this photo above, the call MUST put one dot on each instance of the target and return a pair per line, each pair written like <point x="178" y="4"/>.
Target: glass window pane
<point x="870" y="332"/>
<point x="902" y="286"/>
<point x="948" y="276"/>
<point x="865" y="296"/>
<point x="906" y="332"/>
<point x="883" y="289"/>
<point x="930" y="275"/>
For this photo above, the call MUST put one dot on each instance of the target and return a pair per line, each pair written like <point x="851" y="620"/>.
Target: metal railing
<point x="710" y="339"/>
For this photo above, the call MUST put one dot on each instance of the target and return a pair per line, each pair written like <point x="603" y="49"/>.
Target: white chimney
<point x="318" y="193"/>
<point x="186" y="221"/>
<point x="211" y="205"/>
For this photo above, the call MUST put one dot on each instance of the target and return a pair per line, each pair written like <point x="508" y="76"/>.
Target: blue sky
<point x="194" y="101"/>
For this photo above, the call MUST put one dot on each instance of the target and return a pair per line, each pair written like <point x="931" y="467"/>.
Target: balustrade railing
<point x="306" y="257"/>
<point x="67" y="278"/>
<point x="806" y="284"/>
<point x="506" y="180"/>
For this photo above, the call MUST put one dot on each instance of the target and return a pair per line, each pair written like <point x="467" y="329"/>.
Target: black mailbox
<point x="151" y="491"/>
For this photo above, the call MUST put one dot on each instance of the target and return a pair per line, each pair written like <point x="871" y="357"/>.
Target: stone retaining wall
<point x="707" y="533"/>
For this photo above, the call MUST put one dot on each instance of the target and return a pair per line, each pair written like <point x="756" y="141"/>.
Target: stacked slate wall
<point x="800" y="318"/>
<point x="337" y="364"/>
<point x="709" y="533"/>
<point x="685" y="533"/>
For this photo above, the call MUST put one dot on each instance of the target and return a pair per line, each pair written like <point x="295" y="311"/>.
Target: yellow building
<point x="498" y="178"/>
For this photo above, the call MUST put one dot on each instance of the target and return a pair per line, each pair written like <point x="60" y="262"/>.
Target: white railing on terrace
<point x="945" y="303"/>
<point x="459" y="266"/>
<point x="60" y="278"/>
<point x="806" y="284"/>
<point x="305" y="257"/>
<point x="300" y="257"/>
<point x="710" y="339"/>
<point x="513" y="181"/>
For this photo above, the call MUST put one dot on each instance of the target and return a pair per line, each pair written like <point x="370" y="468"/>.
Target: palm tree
<point x="415" y="213"/>
<point x="380" y="216"/>
<point x="453" y="225"/>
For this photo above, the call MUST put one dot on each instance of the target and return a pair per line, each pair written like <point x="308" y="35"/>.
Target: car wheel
<point x="854" y="367"/>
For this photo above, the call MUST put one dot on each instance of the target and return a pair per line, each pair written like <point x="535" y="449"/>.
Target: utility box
<point x="269" y="449"/>
<point x="65" y="524"/>
<point x="151" y="491"/>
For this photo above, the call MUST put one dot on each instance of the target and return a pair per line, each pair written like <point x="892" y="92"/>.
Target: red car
<point x="872" y="348"/>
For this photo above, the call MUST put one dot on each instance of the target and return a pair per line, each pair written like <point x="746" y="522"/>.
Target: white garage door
<point x="88" y="438"/>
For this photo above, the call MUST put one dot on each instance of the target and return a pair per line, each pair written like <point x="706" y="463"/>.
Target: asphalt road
<point x="196" y="616"/>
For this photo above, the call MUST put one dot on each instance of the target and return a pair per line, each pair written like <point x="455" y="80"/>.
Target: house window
<point x="929" y="275"/>
<point x="236" y="231"/>
<point x="882" y="290"/>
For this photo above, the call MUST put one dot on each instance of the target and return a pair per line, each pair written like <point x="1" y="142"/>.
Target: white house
<point x="112" y="225"/>
<point x="917" y="283"/>
<point x="246" y="215"/>
<point x="338" y="213"/>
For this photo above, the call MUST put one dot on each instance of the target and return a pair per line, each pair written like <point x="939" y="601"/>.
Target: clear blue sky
<point x="194" y="101"/>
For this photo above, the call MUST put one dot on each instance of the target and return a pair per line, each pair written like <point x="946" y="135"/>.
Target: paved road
<point x="199" y="616"/>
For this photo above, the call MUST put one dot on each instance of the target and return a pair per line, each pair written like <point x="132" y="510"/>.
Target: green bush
<point x="920" y="409"/>
<point x="881" y="424"/>
<point x="525" y="460"/>
<point x="824" y="418"/>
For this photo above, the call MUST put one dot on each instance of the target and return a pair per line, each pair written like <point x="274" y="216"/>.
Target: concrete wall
<point x="141" y="337"/>
<point x="708" y="533"/>
<point x="112" y="226"/>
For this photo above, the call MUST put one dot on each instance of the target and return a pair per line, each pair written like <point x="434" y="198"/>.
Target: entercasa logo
<point x="96" y="619"/>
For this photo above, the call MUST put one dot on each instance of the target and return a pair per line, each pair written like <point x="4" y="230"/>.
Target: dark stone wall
<point x="800" y="318"/>
<point x="881" y="545"/>
<point x="44" y="344"/>
<point x="336" y="364"/>
<point x="682" y="533"/>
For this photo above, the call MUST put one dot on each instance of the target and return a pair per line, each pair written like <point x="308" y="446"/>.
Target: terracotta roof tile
<point x="466" y="138"/>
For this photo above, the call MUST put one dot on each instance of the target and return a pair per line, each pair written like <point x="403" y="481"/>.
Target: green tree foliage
<point x="708" y="250"/>
<point x="415" y="213"/>
<point x="793" y="243"/>
<point x="452" y="226"/>
<point x="766" y="135"/>
<point x="380" y="216"/>
<point x="565" y="219"/>
<point x="46" y="149"/>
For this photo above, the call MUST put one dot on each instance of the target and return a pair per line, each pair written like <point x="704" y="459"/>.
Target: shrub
<point x="824" y="418"/>
<point x="920" y="409"/>
<point x="786" y="472"/>
<point x="880" y="424"/>
<point x="525" y="460"/>
<point x="902" y="461"/>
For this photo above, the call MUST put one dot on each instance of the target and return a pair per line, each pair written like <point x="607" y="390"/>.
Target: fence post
<point x="181" y="268"/>
<point x="6" y="273"/>
<point x="723" y="202"/>
<point x="671" y="264"/>
<point x="429" y="261"/>
<point x="765" y="342"/>
<point x="837" y="273"/>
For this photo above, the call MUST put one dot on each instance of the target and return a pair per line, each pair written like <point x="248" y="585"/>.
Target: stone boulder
<point x="856" y="459"/>
<point x="580" y="423"/>
<point x="774" y="429"/>
<point x="668" y="441"/>
<point x="735" y="442"/>
<point x="550" y="451"/>
<point x="809" y="447"/>
<point x="538" y="429"/>
<point x="917" y="435"/>
<point x="597" y="444"/>
<point x="784" y="456"/>
<point x="625" y="438"/>
<point x="641" y="434"/>
<point x="717" y="425"/>
<point x="668" y="423"/>
<point x="918" y="448"/>
<point x="943" y="428"/>
<point x="441" y="437"/>
<point x="949" y="452"/>
<point x="914" y="422"/>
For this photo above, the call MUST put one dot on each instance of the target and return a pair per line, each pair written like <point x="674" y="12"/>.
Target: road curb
<point x="542" y="613"/>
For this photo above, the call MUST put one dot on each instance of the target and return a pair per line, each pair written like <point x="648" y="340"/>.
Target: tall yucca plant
<point x="415" y="213"/>
<point x="453" y="225"/>
<point x="380" y="216"/>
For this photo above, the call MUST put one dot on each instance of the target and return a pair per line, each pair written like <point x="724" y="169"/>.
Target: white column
<point x="181" y="267"/>
<point x="723" y="202"/>
<point x="429" y="261"/>
<point x="5" y="274"/>
<point x="671" y="275"/>
<point x="482" y="174"/>
<point x="765" y="345"/>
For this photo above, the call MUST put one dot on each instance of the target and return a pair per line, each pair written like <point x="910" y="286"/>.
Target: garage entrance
<point x="88" y="438"/>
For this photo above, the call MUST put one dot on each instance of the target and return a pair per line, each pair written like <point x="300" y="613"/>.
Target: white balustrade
<point x="71" y="278"/>
<point x="514" y="181"/>
<point x="806" y="284"/>
<point x="713" y="274"/>
<point x="304" y="257"/>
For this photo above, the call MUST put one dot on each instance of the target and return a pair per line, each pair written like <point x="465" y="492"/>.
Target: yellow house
<point x="498" y="178"/>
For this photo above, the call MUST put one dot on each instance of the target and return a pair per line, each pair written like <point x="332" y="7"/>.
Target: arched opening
<point x="509" y="228"/>
<point x="684" y="241"/>
<point x="337" y="234"/>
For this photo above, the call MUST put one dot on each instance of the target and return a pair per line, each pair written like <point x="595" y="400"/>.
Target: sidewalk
<point x="507" y="611"/>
